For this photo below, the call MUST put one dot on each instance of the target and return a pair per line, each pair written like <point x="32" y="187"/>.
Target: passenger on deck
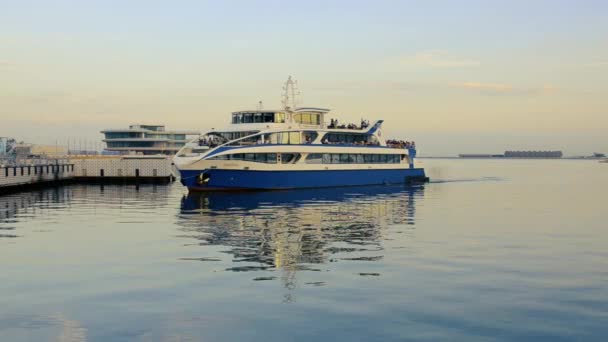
<point x="364" y="124"/>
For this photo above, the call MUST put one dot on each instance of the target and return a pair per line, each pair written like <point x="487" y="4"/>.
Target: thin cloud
<point x="497" y="87"/>
<point x="505" y="89"/>
<point x="595" y="64"/>
<point x="4" y="63"/>
<point x="437" y="59"/>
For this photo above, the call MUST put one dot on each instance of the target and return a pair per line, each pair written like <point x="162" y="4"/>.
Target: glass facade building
<point x="146" y="139"/>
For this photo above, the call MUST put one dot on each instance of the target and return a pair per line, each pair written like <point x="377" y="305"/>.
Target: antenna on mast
<point x="290" y="94"/>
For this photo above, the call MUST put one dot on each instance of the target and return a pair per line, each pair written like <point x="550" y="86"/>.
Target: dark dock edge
<point x="11" y="189"/>
<point x="122" y="180"/>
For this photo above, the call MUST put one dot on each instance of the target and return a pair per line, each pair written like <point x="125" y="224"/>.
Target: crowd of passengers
<point x="362" y="143"/>
<point x="210" y="140"/>
<point x="400" y="144"/>
<point x="335" y="124"/>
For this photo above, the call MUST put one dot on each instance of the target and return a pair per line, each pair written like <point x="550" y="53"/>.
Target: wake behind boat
<point x="294" y="148"/>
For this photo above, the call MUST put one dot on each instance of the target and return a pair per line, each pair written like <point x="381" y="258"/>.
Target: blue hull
<point x="215" y="179"/>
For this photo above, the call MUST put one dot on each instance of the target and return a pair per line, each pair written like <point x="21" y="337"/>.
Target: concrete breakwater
<point x="35" y="172"/>
<point x="86" y="169"/>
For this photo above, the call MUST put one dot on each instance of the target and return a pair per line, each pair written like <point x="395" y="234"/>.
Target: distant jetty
<point x="124" y="169"/>
<point x="518" y="155"/>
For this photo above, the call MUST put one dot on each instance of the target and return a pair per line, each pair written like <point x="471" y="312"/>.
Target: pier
<point x="34" y="172"/>
<point x="125" y="169"/>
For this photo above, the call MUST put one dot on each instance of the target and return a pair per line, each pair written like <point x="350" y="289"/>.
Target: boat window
<point x="308" y="118"/>
<point x="279" y="117"/>
<point x="286" y="138"/>
<point x="260" y="157"/>
<point x="283" y="138"/>
<point x="269" y="158"/>
<point x="258" y="117"/>
<point x="346" y="158"/>
<point x="288" y="158"/>
<point x="349" y="138"/>
<point x="268" y="117"/>
<point x="247" y="117"/>
<point x="254" y="139"/>
<point x="309" y="137"/>
<point x="294" y="138"/>
<point x="314" y="158"/>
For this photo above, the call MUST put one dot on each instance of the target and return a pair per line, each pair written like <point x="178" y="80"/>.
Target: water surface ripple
<point x="490" y="250"/>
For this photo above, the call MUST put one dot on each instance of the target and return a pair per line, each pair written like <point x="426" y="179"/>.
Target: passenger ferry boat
<point x="294" y="148"/>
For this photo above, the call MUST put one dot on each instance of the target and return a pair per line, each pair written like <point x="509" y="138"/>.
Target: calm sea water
<point x="490" y="250"/>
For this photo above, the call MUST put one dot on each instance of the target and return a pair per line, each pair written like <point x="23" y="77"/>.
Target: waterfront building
<point x="480" y="155"/>
<point x="533" y="154"/>
<point x="49" y="151"/>
<point x="3" y="146"/>
<point x="146" y="139"/>
<point x="516" y="154"/>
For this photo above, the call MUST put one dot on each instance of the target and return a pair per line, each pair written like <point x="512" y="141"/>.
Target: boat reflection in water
<point x="299" y="230"/>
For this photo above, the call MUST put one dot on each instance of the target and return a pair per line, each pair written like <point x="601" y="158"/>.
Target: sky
<point x="455" y="76"/>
